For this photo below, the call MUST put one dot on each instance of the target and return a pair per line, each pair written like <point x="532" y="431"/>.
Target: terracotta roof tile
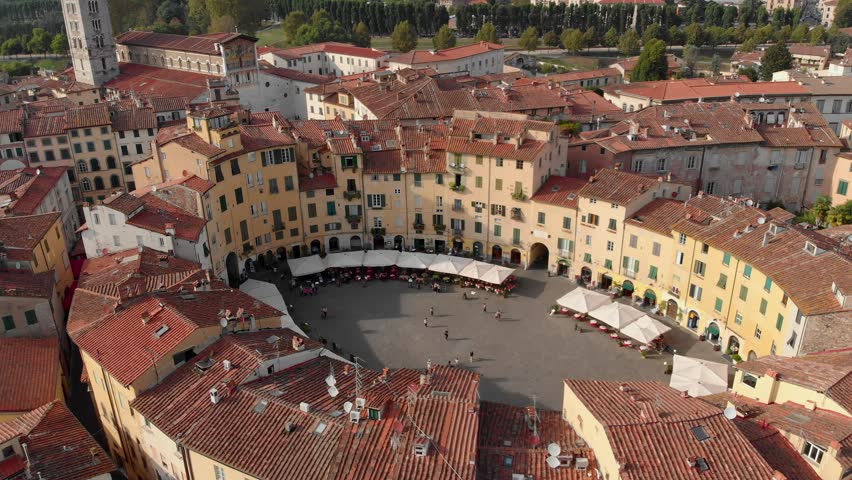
<point x="800" y="137"/>
<point x="560" y="191"/>
<point x="42" y="126"/>
<point x="296" y="75"/>
<point x="416" y="57"/>
<point x="205" y="44"/>
<point x="145" y="80"/>
<point x="519" y="98"/>
<point x="695" y="89"/>
<point x="192" y="182"/>
<point x="156" y="214"/>
<point x="87" y="116"/>
<point x="823" y="51"/>
<point x="30" y="186"/>
<point x="31" y="375"/>
<point x="124" y="203"/>
<point x="329" y="47"/>
<point x="317" y="182"/>
<point x="12" y="121"/>
<point x="188" y="139"/>
<point x="528" y="151"/>
<point x="617" y="187"/>
<point x="167" y="104"/>
<point x="383" y="162"/>
<point x="661" y="214"/>
<point x="133" y="119"/>
<point x="776" y="450"/>
<point x="23" y="283"/>
<point x="25" y="232"/>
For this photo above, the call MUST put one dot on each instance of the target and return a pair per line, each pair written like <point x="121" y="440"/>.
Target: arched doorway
<point x="586" y="275"/>
<point x="649" y="298"/>
<point x="232" y="266"/>
<point x="671" y="309"/>
<point x="692" y="320"/>
<point x="627" y="288"/>
<point x="712" y="333"/>
<point x="477" y="249"/>
<point x="752" y="355"/>
<point x="606" y="280"/>
<point x="261" y="260"/>
<point x="378" y="241"/>
<point x="316" y="246"/>
<point x="333" y="244"/>
<point x="562" y="267"/>
<point x="297" y="251"/>
<point x="249" y="266"/>
<point x="355" y="242"/>
<point x="458" y="246"/>
<point x="733" y="345"/>
<point x="270" y="259"/>
<point x="539" y="255"/>
<point x="515" y="256"/>
<point x="399" y="242"/>
<point x="497" y="253"/>
<point x="282" y="253"/>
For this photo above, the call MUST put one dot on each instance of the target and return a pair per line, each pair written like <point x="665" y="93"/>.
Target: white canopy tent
<point x="380" y="258"/>
<point x="698" y="377"/>
<point x="306" y="265"/>
<point x="583" y="300"/>
<point x="345" y="259"/>
<point x="448" y="264"/>
<point x="497" y="274"/>
<point x="616" y="315"/>
<point x="645" y="329"/>
<point x="476" y="270"/>
<point x="415" y="260"/>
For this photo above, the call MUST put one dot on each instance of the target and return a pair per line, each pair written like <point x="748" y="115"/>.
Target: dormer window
<point x="812" y="249"/>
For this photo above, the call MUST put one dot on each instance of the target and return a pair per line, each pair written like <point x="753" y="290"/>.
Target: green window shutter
<point x="635" y="265"/>
<point x="516" y="235"/>
<point x="767" y="285"/>
<point x="726" y="260"/>
<point x="8" y="323"/>
<point x="718" y="306"/>
<point x="478" y="182"/>
<point x="477" y="227"/>
<point x="498" y="184"/>
<point x="763" y="304"/>
<point x="779" y="322"/>
<point x="842" y="187"/>
<point x="608" y="264"/>
<point x="570" y="245"/>
<point x="31" y="317"/>
<point x="383" y="200"/>
<point x="331" y="208"/>
<point x="223" y="203"/>
<point x="747" y="271"/>
<point x="743" y="293"/>
<point x="587" y="257"/>
<point x="625" y="262"/>
<point x="653" y="272"/>
<point x="397" y="177"/>
<point x="566" y="223"/>
<point x="498" y="230"/>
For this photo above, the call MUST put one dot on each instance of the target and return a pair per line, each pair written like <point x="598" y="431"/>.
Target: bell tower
<point x="90" y="37"/>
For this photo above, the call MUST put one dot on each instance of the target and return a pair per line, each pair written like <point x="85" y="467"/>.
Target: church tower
<point x="89" y="31"/>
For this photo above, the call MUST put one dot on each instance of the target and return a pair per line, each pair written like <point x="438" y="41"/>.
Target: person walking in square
<point x="498" y="314"/>
<point x="425" y="322"/>
<point x="484" y="308"/>
<point x="456" y="361"/>
<point x="471" y="357"/>
<point x="431" y="311"/>
<point x="324" y="313"/>
<point x="446" y="335"/>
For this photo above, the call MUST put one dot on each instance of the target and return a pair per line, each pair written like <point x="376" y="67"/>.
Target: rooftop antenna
<point x="331" y="381"/>
<point x="358" y="384"/>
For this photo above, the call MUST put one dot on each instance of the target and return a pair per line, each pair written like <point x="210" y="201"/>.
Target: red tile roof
<point x="801" y="49"/>
<point x="38" y="126"/>
<point x="528" y="151"/>
<point x="572" y="77"/>
<point x="617" y="187"/>
<point x="124" y="203"/>
<point x="30" y="186"/>
<point x="25" y="232"/>
<point x="630" y="63"/>
<point x="30" y="377"/>
<point x="296" y="75"/>
<point x="416" y="57"/>
<point x="133" y="119"/>
<point x="412" y="95"/>
<point x="560" y="191"/>
<point x="661" y="214"/>
<point x="383" y="162"/>
<point x="24" y="283"/>
<point x="149" y="80"/>
<point x="157" y="214"/>
<point x="12" y="121"/>
<point x="800" y="137"/>
<point x="192" y="182"/>
<point x="317" y="182"/>
<point x="167" y="104"/>
<point x="695" y="89"/>
<point x="188" y="139"/>
<point x="649" y="424"/>
<point x="58" y="446"/>
<point x="747" y="58"/>
<point x="329" y="47"/>
<point x="504" y="432"/>
<point x="205" y="44"/>
<point x="87" y="116"/>
<point x="519" y="98"/>
<point x="776" y="450"/>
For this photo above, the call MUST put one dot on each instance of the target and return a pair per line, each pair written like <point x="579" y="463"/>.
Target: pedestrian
<point x="352" y="357"/>
<point x="324" y="313"/>
<point x="425" y="322"/>
<point x="498" y="314"/>
<point x="410" y="282"/>
<point x="419" y="282"/>
<point x="333" y="347"/>
<point x="446" y="335"/>
<point x="484" y="308"/>
<point x="456" y="361"/>
<point x="576" y="328"/>
<point x="471" y="357"/>
<point x="464" y="295"/>
<point x="431" y="311"/>
<point x="323" y="341"/>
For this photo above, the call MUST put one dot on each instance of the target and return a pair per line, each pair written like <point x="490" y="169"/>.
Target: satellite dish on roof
<point x="730" y="413"/>
<point x="223" y="322"/>
<point x="749" y="202"/>
<point x="333" y="391"/>
<point x="347" y="407"/>
<point x="553" y="462"/>
<point x="554" y="449"/>
<point x="761" y="220"/>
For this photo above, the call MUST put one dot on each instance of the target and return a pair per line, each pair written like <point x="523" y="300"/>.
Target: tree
<point x="529" y="39"/>
<point x="40" y="41"/>
<point x="629" y="43"/>
<point x="198" y="17"/>
<point x="551" y="39"/>
<point x="650" y="33"/>
<point x="404" y="38"/>
<point x="361" y="35"/>
<point x="694" y="34"/>
<point x="817" y="35"/>
<point x="170" y="9"/>
<point x="776" y="58"/>
<point x="652" y="64"/>
<point x="224" y="23"/>
<point x="59" y="44"/>
<point x="840" y="214"/>
<point x="610" y="37"/>
<point x="818" y="212"/>
<point x="690" y="58"/>
<point x="749" y="72"/>
<point x="445" y="38"/>
<point x="12" y="46"/>
<point x="716" y="64"/>
<point x="748" y="46"/>
<point x="573" y="40"/>
<point x="799" y="33"/>
<point x="291" y="25"/>
<point x="843" y="14"/>
<point x="676" y="36"/>
<point x="488" y="33"/>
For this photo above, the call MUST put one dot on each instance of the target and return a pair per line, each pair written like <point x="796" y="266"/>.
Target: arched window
<point x="114" y="181"/>
<point x="87" y="185"/>
<point x="96" y="165"/>
<point x="82" y="167"/>
<point x="180" y="63"/>
<point x="111" y="162"/>
<point x="99" y="183"/>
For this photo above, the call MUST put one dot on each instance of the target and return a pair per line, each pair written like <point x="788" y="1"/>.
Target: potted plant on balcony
<point x="419" y="226"/>
<point x="456" y="187"/>
<point x="519" y="196"/>
<point x="351" y="195"/>
<point x="353" y="218"/>
<point x="377" y="230"/>
<point x="439" y="229"/>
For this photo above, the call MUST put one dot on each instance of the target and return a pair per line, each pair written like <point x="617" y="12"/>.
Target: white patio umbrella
<point x="475" y="270"/>
<point x="583" y="300"/>
<point x="698" y="377"/>
<point x="345" y="259"/>
<point x="380" y="258"/>
<point x="497" y="274"/>
<point x="448" y="264"/>
<point x="415" y="260"/>
<point x="616" y="315"/>
<point x="645" y="329"/>
<point x="306" y="265"/>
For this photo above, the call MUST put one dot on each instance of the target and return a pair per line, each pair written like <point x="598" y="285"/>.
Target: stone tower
<point x="89" y="30"/>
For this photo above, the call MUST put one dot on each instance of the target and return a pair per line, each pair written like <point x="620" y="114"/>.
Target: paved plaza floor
<point x="526" y="353"/>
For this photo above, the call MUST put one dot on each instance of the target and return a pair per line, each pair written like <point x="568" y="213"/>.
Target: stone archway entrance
<point x="378" y="242"/>
<point x="355" y="242"/>
<point x="497" y="254"/>
<point x="539" y="255"/>
<point x="671" y="309"/>
<point x="692" y="320"/>
<point x="333" y="244"/>
<point x="316" y="247"/>
<point x="649" y="298"/>
<point x="477" y="249"/>
<point x="586" y="275"/>
<point x="232" y="266"/>
<point x="515" y="257"/>
<point x="282" y="253"/>
<point x="399" y="242"/>
<point x="712" y="332"/>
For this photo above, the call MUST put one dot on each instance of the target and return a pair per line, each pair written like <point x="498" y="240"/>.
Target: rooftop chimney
<point x="170" y="229"/>
<point x="164" y="261"/>
<point x="298" y="344"/>
<point x="146" y="317"/>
